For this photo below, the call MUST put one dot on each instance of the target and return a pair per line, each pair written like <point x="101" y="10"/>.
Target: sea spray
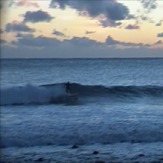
<point x="29" y="94"/>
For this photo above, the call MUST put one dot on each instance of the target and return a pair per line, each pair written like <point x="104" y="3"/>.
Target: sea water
<point x="118" y="111"/>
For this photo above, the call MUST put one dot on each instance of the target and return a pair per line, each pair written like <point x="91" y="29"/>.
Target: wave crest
<point x="30" y="94"/>
<point x="92" y="90"/>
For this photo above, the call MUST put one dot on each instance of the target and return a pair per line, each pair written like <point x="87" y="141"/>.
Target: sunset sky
<point x="81" y="28"/>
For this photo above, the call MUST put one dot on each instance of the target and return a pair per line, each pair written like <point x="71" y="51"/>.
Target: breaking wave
<point x="89" y="90"/>
<point x="31" y="94"/>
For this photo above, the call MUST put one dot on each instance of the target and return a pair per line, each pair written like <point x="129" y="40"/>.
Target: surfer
<point x="67" y="86"/>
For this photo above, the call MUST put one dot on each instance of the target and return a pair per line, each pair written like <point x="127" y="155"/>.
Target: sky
<point x="81" y="28"/>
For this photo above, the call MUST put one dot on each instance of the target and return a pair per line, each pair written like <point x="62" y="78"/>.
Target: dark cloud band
<point x="17" y="27"/>
<point x="131" y="27"/>
<point x="57" y="33"/>
<point x="111" y="9"/>
<point x="160" y="34"/>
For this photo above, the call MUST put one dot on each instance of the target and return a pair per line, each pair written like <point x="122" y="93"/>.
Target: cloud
<point x="160" y="34"/>
<point x="44" y="47"/>
<point x="17" y="27"/>
<point x="1" y="5"/>
<point x="26" y="3"/>
<point x="89" y="32"/>
<point x="158" y="42"/>
<point x="67" y="51"/>
<point x="31" y="41"/>
<point x="29" y="46"/>
<point x="82" y="42"/>
<point x="110" y="41"/>
<point x="130" y="27"/>
<point x="1" y="31"/>
<point x="57" y="33"/>
<point x="143" y="14"/>
<point x="37" y="16"/>
<point x="110" y="10"/>
<point x="105" y="23"/>
<point x="18" y="35"/>
<point x="149" y="4"/>
<point x="2" y="41"/>
<point x="159" y="23"/>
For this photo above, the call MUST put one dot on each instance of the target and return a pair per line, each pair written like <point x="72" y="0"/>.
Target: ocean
<point x="114" y="115"/>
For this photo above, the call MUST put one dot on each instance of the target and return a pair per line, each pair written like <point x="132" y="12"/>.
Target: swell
<point x="91" y="90"/>
<point x="84" y="135"/>
<point x="31" y="94"/>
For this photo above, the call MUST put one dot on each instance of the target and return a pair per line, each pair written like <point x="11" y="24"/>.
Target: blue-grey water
<point x="85" y="71"/>
<point x="119" y="101"/>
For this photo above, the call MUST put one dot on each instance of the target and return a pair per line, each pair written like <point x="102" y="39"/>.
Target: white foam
<point x="29" y="94"/>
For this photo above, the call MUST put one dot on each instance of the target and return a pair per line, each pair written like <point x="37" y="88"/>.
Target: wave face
<point x="85" y="90"/>
<point x="30" y="94"/>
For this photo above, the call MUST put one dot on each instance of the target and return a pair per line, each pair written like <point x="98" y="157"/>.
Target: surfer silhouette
<point x="67" y="86"/>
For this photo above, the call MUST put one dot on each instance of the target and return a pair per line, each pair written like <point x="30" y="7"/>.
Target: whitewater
<point x="116" y="115"/>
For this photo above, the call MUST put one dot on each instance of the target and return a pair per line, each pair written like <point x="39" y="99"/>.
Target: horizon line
<point x="91" y="58"/>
